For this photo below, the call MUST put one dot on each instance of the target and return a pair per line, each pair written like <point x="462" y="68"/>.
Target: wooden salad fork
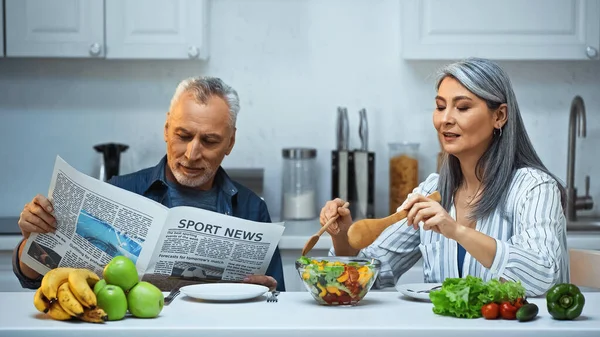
<point x="312" y="241"/>
<point x="363" y="232"/>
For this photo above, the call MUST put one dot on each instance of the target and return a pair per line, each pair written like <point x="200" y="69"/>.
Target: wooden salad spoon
<point x="312" y="241"/>
<point x="363" y="232"/>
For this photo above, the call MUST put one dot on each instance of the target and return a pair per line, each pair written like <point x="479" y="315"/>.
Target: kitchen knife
<point x="363" y="184"/>
<point x="340" y="174"/>
<point x="340" y="157"/>
<point x="363" y="130"/>
<point x="363" y="162"/>
<point x="343" y="138"/>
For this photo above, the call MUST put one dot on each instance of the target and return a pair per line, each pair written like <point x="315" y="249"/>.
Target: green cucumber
<point x="527" y="312"/>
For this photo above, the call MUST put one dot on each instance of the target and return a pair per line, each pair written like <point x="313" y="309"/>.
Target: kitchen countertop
<point x="9" y="242"/>
<point x="296" y="314"/>
<point x="298" y="232"/>
<point x="294" y="237"/>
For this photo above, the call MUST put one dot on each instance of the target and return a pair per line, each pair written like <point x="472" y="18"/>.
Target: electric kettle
<point x="111" y="155"/>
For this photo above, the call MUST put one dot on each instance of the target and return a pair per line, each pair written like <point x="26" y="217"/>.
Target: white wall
<point x="293" y="63"/>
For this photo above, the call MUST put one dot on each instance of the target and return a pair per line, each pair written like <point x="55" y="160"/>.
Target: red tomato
<point x="519" y="303"/>
<point x="490" y="311"/>
<point x="508" y="311"/>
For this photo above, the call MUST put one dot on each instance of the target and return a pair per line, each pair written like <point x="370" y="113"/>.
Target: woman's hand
<point x="343" y="222"/>
<point x="262" y="280"/>
<point x="432" y="214"/>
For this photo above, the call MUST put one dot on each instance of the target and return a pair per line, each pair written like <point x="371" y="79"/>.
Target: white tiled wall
<point x="293" y="62"/>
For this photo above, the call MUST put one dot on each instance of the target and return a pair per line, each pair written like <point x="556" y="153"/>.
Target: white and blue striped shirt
<point x="531" y="240"/>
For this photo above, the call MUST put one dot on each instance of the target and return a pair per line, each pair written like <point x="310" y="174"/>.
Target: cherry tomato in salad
<point x="345" y="299"/>
<point x="490" y="310"/>
<point x="508" y="311"/>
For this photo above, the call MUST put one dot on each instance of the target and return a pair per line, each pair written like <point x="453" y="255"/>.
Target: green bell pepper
<point x="565" y="301"/>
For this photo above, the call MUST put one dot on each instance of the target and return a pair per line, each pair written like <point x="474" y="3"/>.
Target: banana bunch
<point x="68" y="292"/>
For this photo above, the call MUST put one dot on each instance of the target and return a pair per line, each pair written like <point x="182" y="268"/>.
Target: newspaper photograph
<point x="97" y="221"/>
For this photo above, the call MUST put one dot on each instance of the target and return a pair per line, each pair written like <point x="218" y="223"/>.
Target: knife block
<point x="353" y="180"/>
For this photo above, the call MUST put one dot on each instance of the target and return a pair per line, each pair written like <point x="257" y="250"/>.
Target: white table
<point x="296" y="314"/>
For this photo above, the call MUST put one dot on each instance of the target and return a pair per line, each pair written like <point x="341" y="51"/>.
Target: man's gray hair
<point x="203" y="87"/>
<point x="509" y="151"/>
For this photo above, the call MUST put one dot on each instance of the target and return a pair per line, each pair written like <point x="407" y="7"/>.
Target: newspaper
<point x="97" y="221"/>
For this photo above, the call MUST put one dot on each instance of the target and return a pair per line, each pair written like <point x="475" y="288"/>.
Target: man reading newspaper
<point x="199" y="132"/>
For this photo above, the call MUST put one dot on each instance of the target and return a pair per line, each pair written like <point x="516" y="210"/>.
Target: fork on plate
<point x="426" y="290"/>
<point x="272" y="297"/>
<point x="174" y="293"/>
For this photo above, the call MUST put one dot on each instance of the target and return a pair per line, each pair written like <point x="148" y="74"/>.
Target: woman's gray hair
<point x="510" y="150"/>
<point x="203" y="87"/>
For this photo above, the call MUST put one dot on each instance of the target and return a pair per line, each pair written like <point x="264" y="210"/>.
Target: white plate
<point x="412" y="289"/>
<point x="224" y="291"/>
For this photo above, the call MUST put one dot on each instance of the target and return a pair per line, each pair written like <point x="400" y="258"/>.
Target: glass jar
<point x="299" y="184"/>
<point x="404" y="172"/>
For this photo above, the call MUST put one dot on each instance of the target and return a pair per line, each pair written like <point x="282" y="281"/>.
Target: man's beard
<point x="195" y="181"/>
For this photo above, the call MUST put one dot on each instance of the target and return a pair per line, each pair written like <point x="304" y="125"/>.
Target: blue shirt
<point x="232" y="199"/>
<point x="187" y="196"/>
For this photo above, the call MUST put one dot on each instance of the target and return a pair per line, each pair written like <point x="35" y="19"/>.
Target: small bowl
<point x="338" y="280"/>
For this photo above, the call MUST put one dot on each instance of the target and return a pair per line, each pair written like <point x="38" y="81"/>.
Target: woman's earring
<point x="500" y="135"/>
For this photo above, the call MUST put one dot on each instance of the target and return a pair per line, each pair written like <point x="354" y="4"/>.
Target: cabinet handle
<point x="95" y="49"/>
<point x="591" y="52"/>
<point x="193" y="52"/>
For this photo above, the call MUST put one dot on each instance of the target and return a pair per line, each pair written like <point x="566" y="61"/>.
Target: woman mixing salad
<point x="501" y="214"/>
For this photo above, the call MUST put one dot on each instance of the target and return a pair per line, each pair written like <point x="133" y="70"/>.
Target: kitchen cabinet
<point x="115" y="29"/>
<point x="58" y="28"/>
<point x="156" y="29"/>
<point x="504" y="30"/>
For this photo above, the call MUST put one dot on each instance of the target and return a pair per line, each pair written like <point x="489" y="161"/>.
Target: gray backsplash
<point x="9" y="225"/>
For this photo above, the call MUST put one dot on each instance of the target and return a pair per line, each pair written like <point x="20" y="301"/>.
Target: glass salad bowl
<point x="338" y="280"/>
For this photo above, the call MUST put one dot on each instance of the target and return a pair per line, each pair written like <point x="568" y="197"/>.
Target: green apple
<point x="99" y="285"/>
<point x="121" y="272"/>
<point x="113" y="300"/>
<point x="145" y="300"/>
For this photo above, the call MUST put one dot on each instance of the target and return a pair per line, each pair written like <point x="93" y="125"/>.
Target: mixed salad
<point x="335" y="282"/>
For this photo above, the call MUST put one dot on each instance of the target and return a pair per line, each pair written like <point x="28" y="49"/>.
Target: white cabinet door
<point x="57" y="28"/>
<point x="1" y="28"/>
<point x="508" y="29"/>
<point x="156" y="29"/>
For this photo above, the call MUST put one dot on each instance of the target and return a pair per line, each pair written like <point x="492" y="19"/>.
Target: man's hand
<point x="264" y="280"/>
<point x="37" y="217"/>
